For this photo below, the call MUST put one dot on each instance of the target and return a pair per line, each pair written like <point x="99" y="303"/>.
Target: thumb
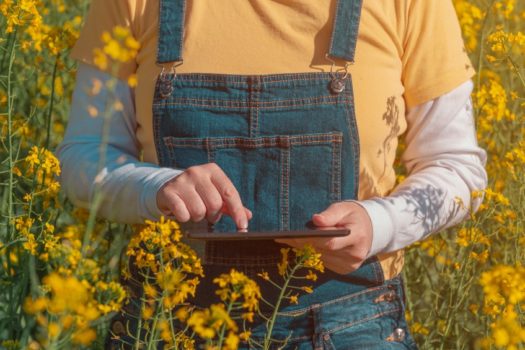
<point x="331" y="216"/>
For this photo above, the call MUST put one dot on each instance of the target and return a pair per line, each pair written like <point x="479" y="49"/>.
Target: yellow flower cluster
<point x="44" y="166"/>
<point x="307" y="257"/>
<point x="158" y="244"/>
<point x="119" y="47"/>
<point x="68" y="305"/>
<point x="208" y="322"/>
<point x="503" y="286"/>
<point x="235" y="285"/>
<point x="26" y="16"/>
<point x="470" y="17"/>
<point x="506" y="333"/>
<point x="503" y="44"/>
<point x="21" y="13"/>
<point x="175" y="286"/>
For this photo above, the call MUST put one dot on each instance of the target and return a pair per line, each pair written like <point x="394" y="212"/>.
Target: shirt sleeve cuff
<point x="151" y="188"/>
<point x="382" y="224"/>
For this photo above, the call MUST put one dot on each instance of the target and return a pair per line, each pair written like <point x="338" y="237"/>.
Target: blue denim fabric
<point x="360" y="320"/>
<point x="289" y="143"/>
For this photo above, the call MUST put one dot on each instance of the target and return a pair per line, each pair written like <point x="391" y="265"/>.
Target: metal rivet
<point x="337" y="85"/>
<point x="166" y="89"/>
<point x="399" y="334"/>
<point x="326" y="337"/>
<point x="118" y="328"/>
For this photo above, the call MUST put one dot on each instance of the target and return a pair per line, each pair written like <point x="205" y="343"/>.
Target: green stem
<point x="10" y="210"/>
<point x="51" y="102"/>
<point x="481" y="40"/>
<point x="516" y="69"/>
<point x="223" y="328"/>
<point x="276" y="309"/>
<point x="139" y="328"/>
<point x="98" y="196"/>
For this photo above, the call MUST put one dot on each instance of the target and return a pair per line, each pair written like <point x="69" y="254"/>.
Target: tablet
<point x="211" y="235"/>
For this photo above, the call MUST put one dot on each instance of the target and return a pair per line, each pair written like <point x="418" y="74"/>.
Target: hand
<point x="340" y="254"/>
<point x="202" y="191"/>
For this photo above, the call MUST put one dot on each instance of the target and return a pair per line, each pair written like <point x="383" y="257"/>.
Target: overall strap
<point x="171" y="31"/>
<point x="346" y="27"/>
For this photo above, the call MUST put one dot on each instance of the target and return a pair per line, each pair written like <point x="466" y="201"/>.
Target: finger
<point x="212" y="200"/>
<point x="194" y="204"/>
<point x="231" y="198"/>
<point x="224" y="210"/>
<point x="340" y="263"/>
<point x="177" y="207"/>
<point x="334" y="215"/>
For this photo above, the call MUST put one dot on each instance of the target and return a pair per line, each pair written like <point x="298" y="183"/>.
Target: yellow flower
<point x="206" y="323"/>
<point x="502" y="285"/>
<point x="231" y="342"/>
<point x="84" y="336"/>
<point x="309" y="258"/>
<point x="236" y="284"/>
<point x="311" y="276"/>
<point x="264" y="275"/>
<point x="418" y="328"/>
<point x="245" y="335"/>
<point x="119" y="47"/>
<point x="307" y="289"/>
<point x="283" y="265"/>
<point x="147" y="312"/>
<point x="53" y="329"/>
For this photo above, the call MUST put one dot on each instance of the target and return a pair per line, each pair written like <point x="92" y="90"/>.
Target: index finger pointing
<point x="231" y="198"/>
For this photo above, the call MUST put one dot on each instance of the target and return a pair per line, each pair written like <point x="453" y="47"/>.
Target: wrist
<point x="382" y="224"/>
<point x="154" y="184"/>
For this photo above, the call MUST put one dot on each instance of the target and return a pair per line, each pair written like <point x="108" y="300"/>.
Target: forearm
<point x="127" y="191"/>
<point x="445" y="165"/>
<point x="126" y="186"/>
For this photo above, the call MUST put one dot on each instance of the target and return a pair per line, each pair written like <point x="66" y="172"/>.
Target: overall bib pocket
<point x="270" y="173"/>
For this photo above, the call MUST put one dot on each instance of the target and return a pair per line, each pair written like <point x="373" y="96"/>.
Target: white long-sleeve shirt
<point x="442" y="157"/>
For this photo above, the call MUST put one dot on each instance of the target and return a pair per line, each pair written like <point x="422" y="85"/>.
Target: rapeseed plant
<point x="60" y="266"/>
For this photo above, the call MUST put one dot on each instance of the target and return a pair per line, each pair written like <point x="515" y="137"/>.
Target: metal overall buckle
<point x="166" y="77"/>
<point x="337" y="85"/>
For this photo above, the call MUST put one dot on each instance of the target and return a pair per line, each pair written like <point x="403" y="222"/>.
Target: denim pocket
<point x="376" y="315"/>
<point x="270" y="173"/>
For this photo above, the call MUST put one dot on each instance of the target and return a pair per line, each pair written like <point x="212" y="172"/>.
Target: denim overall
<point x="289" y="144"/>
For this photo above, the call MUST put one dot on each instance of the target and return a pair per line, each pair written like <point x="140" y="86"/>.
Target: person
<point x="270" y="114"/>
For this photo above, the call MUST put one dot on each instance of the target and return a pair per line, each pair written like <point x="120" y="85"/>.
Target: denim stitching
<point x="285" y="188"/>
<point x="159" y="23"/>
<point x="224" y="107"/>
<point x="354" y="136"/>
<point x="183" y="31"/>
<point x="321" y="77"/>
<point x="378" y="275"/>
<point x="296" y="312"/>
<point x="336" y="172"/>
<point x="283" y="141"/>
<point x="257" y="99"/>
<point x="253" y="101"/>
<point x="156" y="130"/>
<point x="235" y="104"/>
<point x="330" y="50"/>
<point x="210" y="150"/>
<point x="366" y="319"/>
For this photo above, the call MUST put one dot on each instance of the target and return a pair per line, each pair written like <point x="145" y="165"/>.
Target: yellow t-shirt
<point x="408" y="52"/>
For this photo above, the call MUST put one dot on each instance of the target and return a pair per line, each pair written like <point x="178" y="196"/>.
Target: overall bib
<point x="289" y="143"/>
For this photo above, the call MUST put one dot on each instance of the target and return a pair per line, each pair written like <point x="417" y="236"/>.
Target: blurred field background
<point x="60" y="265"/>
